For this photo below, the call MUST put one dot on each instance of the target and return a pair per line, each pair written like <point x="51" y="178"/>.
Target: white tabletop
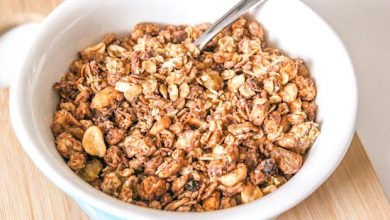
<point x="364" y="27"/>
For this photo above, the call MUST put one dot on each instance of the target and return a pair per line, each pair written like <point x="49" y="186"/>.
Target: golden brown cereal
<point x="149" y="119"/>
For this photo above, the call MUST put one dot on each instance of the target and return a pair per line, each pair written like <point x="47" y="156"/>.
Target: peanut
<point x="234" y="177"/>
<point x="93" y="142"/>
<point x="104" y="98"/>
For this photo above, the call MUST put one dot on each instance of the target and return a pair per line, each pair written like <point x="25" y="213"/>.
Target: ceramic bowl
<point x="290" y="25"/>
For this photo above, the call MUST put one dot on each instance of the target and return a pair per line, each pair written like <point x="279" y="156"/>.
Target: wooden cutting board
<point x="352" y="192"/>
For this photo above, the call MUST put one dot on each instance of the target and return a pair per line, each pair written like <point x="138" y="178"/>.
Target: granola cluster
<point x="149" y="119"/>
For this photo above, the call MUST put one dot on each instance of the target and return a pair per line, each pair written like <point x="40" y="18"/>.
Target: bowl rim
<point x="105" y="202"/>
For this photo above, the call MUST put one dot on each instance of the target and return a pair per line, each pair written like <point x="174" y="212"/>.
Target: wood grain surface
<point x="352" y="192"/>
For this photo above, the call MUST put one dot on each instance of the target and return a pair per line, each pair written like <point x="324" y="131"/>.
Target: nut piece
<point x="212" y="81"/>
<point x="212" y="202"/>
<point x="289" y="92"/>
<point x="173" y="92"/>
<point x="163" y="123"/>
<point x="149" y="66"/>
<point x="168" y="169"/>
<point x="149" y="86"/>
<point x="117" y="51"/>
<point x="269" y="189"/>
<point x="163" y="90"/>
<point x="227" y="74"/>
<point x="234" y="177"/>
<point x="130" y="90"/>
<point x="93" y="142"/>
<point x="97" y="48"/>
<point x="246" y="91"/>
<point x="105" y="97"/>
<point x="236" y="82"/>
<point x="184" y="90"/>
<point x="250" y="193"/>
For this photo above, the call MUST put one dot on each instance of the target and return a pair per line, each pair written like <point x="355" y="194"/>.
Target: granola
<point x="151" y="120"/>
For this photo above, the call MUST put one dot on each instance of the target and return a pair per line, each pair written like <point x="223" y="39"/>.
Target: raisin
<point x="270" y="167"/>
<point x="192" y="185"/>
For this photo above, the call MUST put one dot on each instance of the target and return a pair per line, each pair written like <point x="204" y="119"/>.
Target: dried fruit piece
<point x="91" y="170"/>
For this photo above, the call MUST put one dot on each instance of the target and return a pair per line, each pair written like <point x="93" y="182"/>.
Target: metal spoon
<point x="239" y="9"/>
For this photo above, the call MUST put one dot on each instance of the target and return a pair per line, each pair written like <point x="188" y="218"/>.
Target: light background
<point x="364" y="26"/>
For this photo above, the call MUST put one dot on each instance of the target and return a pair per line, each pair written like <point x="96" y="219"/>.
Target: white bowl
<point x="290" y="25"/>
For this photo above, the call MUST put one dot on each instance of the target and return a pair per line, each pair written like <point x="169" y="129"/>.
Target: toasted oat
<point x="151" y="120"/>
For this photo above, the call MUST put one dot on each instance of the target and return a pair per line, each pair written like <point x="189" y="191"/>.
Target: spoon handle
<point x="239" y="9"/>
